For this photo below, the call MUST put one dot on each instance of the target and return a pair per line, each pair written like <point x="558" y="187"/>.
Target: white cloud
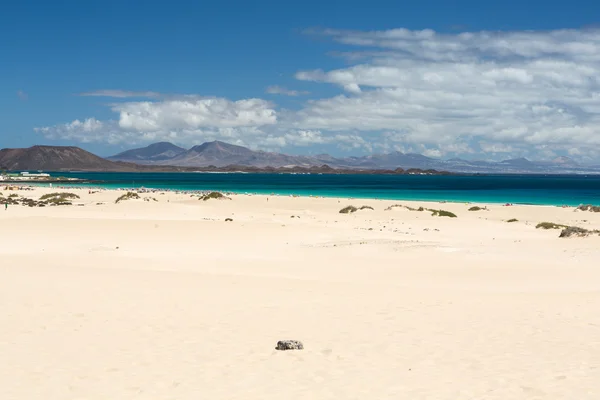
<point x="191" y="119"/>
<point x="88" y="130"/>
<point x="507" y="93"/>
<point x="285" y="92"/>
<point x="120" y="94"/>
<point x="507" y="89"/>
<point x="194" y="113"/>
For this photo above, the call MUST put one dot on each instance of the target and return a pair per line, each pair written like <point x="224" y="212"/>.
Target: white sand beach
<point x="166" y="300"/>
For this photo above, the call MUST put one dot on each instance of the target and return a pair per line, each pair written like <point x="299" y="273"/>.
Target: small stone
<point x="289" y="345"/>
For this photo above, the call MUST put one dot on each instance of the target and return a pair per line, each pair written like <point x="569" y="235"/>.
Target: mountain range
<point x="69" y="158"/>
<point x="220" y="154"/>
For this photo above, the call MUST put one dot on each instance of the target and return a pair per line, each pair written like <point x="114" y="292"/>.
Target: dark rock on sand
<point x="289" y="345"/>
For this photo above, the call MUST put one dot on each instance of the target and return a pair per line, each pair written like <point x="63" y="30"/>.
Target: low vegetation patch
<point x="58" y="199"/>
<point x="588" y="207"/>
<point x="436" y="213"/>
<point x="348" y="210"/>
<point x="24" y="201"/>
<point x="477" y="208"/>
<point x="513" y="220"/>
<point x="127" y="196"/>
<point x="351" y="209"/>
<point x="575" y="231"/>
<point x="58" y="195"/>
<point x="442" y="213"/>
<point x="214" y="195"/>
<point x="568" y="231"/>
<point x="403" y="206"/>
<point x="550" y="225"/>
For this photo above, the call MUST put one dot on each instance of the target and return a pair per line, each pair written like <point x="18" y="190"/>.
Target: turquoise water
<point x="523" y="189"/>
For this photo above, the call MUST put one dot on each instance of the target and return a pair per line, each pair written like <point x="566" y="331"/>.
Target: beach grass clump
<point x="59" y="196"/>
<point x="588" y="207"/>
<point x="348" y="210"/>
<point x="13" y="196"/>
<point x="442" y="213"/>
<point x="575" y="231"/>
<point x="65" y="195"/>
<point x="512" y="220"/>
<point x="404" y="206"/>
<point x="8" y="200"/>
<point x="477" y="208"/>
<point x="214" y="195"/>
<point x="127" y="196"/>
<point x="366" y="208"/>
<point x="437" y="213"/>
<point x="568" y="231"/>
<point x="550" y="225"/>
<point x="56" y="199"/>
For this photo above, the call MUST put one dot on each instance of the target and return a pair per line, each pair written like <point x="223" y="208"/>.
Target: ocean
<point x="517" y="189"/>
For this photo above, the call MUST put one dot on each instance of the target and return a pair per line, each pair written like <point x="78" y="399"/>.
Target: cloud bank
<point x="494" y="94"/>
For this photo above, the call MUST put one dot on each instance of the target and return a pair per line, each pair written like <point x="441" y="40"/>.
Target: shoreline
<point x="302" y="195"/>
<point x="500" y="189"/>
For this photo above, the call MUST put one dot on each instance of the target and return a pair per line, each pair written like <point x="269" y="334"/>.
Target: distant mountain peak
<point x="52" y="158"/>
<point x="221" y="154"/>
<point x="152" y="153"/>
<point x="521" y="161"/>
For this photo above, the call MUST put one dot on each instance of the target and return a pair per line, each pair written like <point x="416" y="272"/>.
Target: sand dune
<point x="166" y="300"/>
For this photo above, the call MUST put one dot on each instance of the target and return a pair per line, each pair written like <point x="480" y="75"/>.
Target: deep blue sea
<point x="518" y="189"/>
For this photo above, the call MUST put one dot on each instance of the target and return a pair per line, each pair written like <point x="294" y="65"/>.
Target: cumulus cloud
<point x="186" y="120"/>
<point x="508" y="89"/>
<point x="88" y="130"/>
<point x="285" y="92"/>
<point x="121" y="94"/>
<point x="522" y="93"/>
<point x="194" y="114"/>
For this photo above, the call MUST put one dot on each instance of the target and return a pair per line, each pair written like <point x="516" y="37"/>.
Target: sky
<point x="473" y="79"/>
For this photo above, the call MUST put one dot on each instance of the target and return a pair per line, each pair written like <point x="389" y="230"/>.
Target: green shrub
<point x="366" y="208"/>
<point x="442" y="213"/>
<point x="127" y="196"/>
<point x="437" y="213"/>
<point x="589" y="207"/>
<point x="63" y="196"/>
<point x="574" y="231"/>
<point x="476" y="208"/>
<point x="214" y="195"/>
<point x="403" y="206"/>
<point x="550" y="225"/>
<point x="513" y="220"/>
<point x="348" y="210"/>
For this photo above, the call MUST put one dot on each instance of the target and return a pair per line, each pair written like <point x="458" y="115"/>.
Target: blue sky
<point x="466" y="78"/>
